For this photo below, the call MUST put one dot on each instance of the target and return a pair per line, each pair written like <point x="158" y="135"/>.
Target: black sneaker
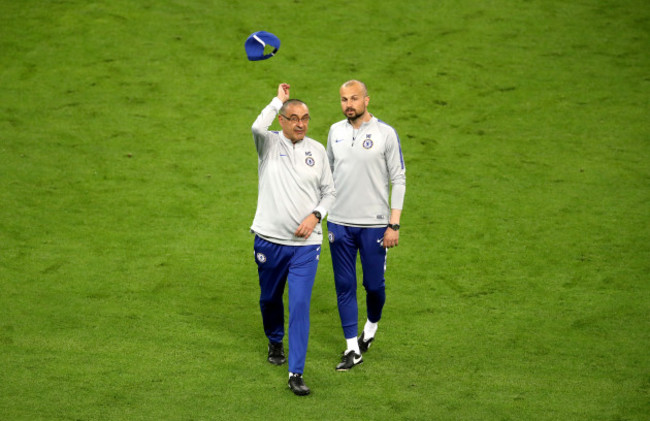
<point x="363" y="344"/>
<point x="297" y="385"/>
<point x="349" y="360"/>
<point x="276" y="353"/>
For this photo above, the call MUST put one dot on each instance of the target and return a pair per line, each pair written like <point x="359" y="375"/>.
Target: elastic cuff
<point x="277" y="103"/>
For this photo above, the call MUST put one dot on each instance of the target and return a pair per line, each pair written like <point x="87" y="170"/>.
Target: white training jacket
<point x="363" y="162"/>
<point x="294" y="181"/>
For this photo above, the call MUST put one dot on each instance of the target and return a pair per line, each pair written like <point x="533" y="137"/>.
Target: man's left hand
<point x="391" y="238"/>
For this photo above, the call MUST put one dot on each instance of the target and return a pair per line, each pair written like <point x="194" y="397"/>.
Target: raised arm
<point x="265" y="118"/>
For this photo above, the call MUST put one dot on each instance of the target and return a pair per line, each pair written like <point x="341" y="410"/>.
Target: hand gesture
<point x="283" y="92"/>
<point x="307" y="226"/>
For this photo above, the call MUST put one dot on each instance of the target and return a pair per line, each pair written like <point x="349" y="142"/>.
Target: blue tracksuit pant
<point x="277" y="265"/>
<point x="345" y="242"/>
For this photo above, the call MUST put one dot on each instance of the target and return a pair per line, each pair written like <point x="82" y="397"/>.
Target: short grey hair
<point x="290" y="102"/>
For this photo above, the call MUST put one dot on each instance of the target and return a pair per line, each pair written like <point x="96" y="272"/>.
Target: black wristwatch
<point x="318" y="215"/>
<point x="394" y="227"/>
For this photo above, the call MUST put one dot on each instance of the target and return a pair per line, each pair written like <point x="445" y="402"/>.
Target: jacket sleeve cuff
<point x="276" y="103"/>
<point x="323" y="212"/>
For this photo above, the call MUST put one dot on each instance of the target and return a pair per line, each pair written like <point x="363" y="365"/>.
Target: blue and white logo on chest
<point x="367" y="142"/>
<point x="309" y="160"/>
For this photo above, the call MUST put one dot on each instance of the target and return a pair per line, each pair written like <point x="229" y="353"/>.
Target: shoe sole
<point x="299" y="392"/>
<point x="350" y="368"/>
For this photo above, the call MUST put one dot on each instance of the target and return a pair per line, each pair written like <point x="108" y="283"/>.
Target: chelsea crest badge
<point x="367" y="143"/>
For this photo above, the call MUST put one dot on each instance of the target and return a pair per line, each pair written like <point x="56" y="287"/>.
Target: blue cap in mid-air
<point x="257" y="42"/>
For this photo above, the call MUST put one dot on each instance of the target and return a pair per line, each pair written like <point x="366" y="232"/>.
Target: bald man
<point x="365" y="156"/>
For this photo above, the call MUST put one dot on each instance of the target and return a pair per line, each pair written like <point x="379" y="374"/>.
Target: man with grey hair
<point x="295" y="191"/>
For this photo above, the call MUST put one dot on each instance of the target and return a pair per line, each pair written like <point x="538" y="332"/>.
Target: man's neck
<point x="357" y="122"/>
<point x="291" y="140"/>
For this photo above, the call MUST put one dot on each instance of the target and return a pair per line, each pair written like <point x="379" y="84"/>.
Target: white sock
<point x="291" y="374"/>
<point x="369" y="330"/>
<point x="353" y="345"/>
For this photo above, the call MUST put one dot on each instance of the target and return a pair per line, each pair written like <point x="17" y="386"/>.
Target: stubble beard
<point x="354" y="117"/>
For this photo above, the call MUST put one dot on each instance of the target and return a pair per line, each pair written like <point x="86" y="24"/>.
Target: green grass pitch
<point x="128" y="177"/>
